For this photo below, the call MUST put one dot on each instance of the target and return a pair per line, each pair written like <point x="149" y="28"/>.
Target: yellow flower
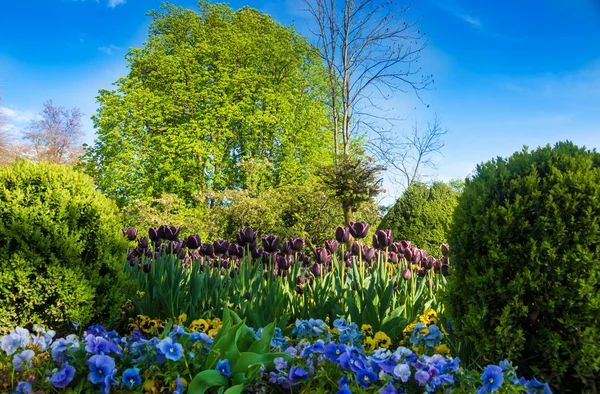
<point x="216" y="322"/>
<point x="148" y="385"/>
<point x="181" y="319"/>
<point x="382" y="340"/>
<point x="366" y="329"/>
<point x="212" y="331"/>
<point x="442" y="349"/>
<point x="429" y="317"/>
<point x="199" y="325"/>
<point x="409" y="329"/>
<point x="140" y="294"/>
<point x="369" y="343"/>
<point x="334" y="331"/>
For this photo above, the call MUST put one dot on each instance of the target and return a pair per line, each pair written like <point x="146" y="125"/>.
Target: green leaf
<point x="205" y="380"/>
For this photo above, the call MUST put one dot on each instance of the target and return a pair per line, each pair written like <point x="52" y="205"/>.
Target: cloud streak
<point x="458" y="11"/>
<point x="109" y="50"/>
<point x="114" y="3"/>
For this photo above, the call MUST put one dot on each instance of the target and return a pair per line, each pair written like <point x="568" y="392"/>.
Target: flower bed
<point x="315" y="357"/>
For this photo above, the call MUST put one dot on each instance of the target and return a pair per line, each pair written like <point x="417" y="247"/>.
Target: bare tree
<point x="55" y="137"/>
<point x="408" y="156"/>
<point x="370" y="50"/>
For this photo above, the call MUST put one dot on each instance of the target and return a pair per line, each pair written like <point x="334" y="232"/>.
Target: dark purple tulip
<point x="408" y="254"/>
<point x="342" y="234"/>
<point x="182" y="253"/>
<point x="266" y="259"/>
<point x="266" y="275"/>
<point x="235" y="250"/>
<point x="286" y="248"/>
<point x="176" y="246"/>
<point x="417" y="256"/>
<point x="149" y="254"/>
<point x="395" y="285"/>
<point x="297" y="244"/>
<point x="161" y="231"/>
<point x="171" y="232"/>
<point x="404" y="246"/>
<point x="422" y="272"/>
<point x="137" y="252"/>
<point x="221" y="246"/>
<point x="131" y="262"/>
<point x="429" y="284"/>
<point x="193" y="241"/>
<point x="428" y="262"/>
<point x="368" y="253"/>
<point x="305" y="261"/>
<point x="444" y="269"/>
<point x="207" y="250"/>
<point x="256" y="252"/>
<point x="146" y="267"/>
<point x="246" y="236"/>
<point x="355" y="248"/>
<point x="300" y="280"/>
<point x="153" y="233"/>
<point x="392" y="257"/>
<point x="283" y="262"/>
<point x="143" y="242"/>
<point x="445" y="248"/>
<point x="299" y="290"/>
<point x="382" y="239"/>
<point x="394" y="247"/>
<point x="130" y="233"/>
<point x="316" y="269"/>
<point x="358" y="229"/>
<point x="270" y="243"/>
<point x="354" y="287"/>
<point x="332" y="246"/>
<point x="437" y="265"/>
<point x="248" y="296"/>
<point x="407" y="274"/>
<point x="232" y="274"/>
<point x="321" y="255"/>
<point x="225" y="263"/>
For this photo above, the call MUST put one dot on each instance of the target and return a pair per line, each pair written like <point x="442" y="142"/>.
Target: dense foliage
<point x="59" y="248"/>
<point x="423" y="214"/>
<point x="526" y="248"/>
<point x="215" y="100"/>
<point x="231" y="357"/>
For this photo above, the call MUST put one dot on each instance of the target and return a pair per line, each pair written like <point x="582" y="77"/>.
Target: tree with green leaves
<point x="215" y="100"/>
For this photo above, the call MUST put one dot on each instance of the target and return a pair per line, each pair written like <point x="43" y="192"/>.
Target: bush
<point x="422" y="215"/>
<point x="60" y="248"/>
<point x="526" y="247"/>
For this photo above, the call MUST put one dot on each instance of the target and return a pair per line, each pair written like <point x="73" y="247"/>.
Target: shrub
<point x="526" y="252"/>
<point x="422" y="215"/>
<point x="60" y="247"/>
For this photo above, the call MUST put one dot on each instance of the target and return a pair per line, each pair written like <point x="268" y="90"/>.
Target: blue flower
<point x="280" y="363"/>
<point x="62" y="378"/>
<point x="389" y="389"/>
<point x="364" y="377"/>
<point x="10" y="344"/>
<point x="297" y="374"/>
<point x="433" y="337"/>
<point x="180" y="384"/>
<point x="40" y="342"/>
<point x="62" y="345"/>
<point x="131" y="377"/>
<point x="99" y="345"/>
<point x="452" y="365"/>
<point x="292" y="351"/>
<point x="278" y="341"/>
<point x="108" y="382"/>
<point x="101" y="367"/>
<point x="24" y="387"/>
<point x="95" y="330"/>
<point x="333" y="351"/>
<point x="22" y="361"/>
<point x="344" y="380"/>
<point x="402" y="372"/>
<point x="421" y="377"/>
<point x="535" y="386"/>
<point x="344" y="390"/>
<point x="492" y="378"/>
<point x="171" y="350"/>
<point x="403" y="353"/>
<point x="224" y="367"/>
<point x="440" y="381"/>
<point x="317" y="347"/>
<point x="22" y="334"/>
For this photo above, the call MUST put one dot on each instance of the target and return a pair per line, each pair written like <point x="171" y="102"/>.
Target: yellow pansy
<point x="334" y="331"/>
<point x="382" y="340"/>
<point x="181" y="319"/>
<point x="148" y="385"/>
<point x="140" y="294"/>
<point x="216" y="322"/>
<point x="369" y="343"/>
<point x="442" y="349"/>
<point x="212" y="331"/>
<point x="199" y="325"/>
<point x="366" y="329"/>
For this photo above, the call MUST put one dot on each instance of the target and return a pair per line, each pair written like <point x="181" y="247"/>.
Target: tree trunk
<point x="347" y="214"/>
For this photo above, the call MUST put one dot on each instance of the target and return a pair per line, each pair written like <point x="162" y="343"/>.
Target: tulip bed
<point x="315" y="358"/>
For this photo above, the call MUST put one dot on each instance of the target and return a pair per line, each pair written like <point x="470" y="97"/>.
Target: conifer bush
<point x="525" y="241"/>
<point x="60" y="248"/>
<point x="422" y="215"/>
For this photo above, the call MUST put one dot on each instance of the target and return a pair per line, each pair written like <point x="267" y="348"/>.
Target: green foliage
<point x="422" y="215"/>
<point x="215" y="100"/>
<point x="526" y="247"/>
<point x="59" y="248"/>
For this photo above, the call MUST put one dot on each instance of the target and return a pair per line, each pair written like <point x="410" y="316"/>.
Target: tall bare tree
<point x="370" y="49"/>
<point x="55" y="137"/>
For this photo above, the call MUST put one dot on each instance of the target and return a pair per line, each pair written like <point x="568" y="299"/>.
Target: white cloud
<point x="455" y="9"/>
<point x="108" y="50"/>
<point x="114" y="3"/>
<point x="16" y="116"/>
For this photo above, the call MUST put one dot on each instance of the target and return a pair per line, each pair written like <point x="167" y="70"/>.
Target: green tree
<point x="211" y="93"/>
<point x="423" y="215"/>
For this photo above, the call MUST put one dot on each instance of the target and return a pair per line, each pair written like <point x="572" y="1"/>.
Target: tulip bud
<point x="342" y="234"/>
<point x="207" y="250"/>
<point x="358" y="229"/>
<point x="407" y="274"/>
<point x="221" y="246"/>
<point x="353" y="286"/>
<point x="147" y="267"/>
<point x="306" y="261"/>
<point x="143" y="242"/>
<point x="248" y="296"/>
<point x="266" y="275"/>
<point x="246" y="236"/>
<point x="286" y="248"/>
<point x="445" y="248"/>
<point x="321" y="255"/>
<point x="235" y="250"/>
<point x="444" y="269"/>
<point x="130" y="233"/>
<point x="395" y="286"/>
<point x="404" y="246"/>
<point x="171" y="232"/>
<point x="331" y="246"/>
<point x="270" y="243"/>
<point x="232" y="274"/>
<point x="421" y="272"/>
<point x="131" y="261"/>
<point x="299" y="290"/>
<point x="193" y="241"/>
<point x="355" y="250"/>
<point x="297" y="244"/>
<point x="382" y="239"/>
<point x="368" y="253"/>
<point x="392" y="257"/>
<point x="315" y="269"/>
<point x="153" y="233"/>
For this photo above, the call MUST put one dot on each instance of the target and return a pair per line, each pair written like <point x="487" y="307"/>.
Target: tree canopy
<point x="215" y="100"/>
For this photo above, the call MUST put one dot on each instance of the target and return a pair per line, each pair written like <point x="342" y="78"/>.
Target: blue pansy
<point x="179" y="385"/>
<point x="535" y="386"/>
<point x="10" y="344"/>
<point x="297" y="374"/>
<point x="24" y="387"/>
<point x="402" y="372"/>
<point x="492" y="377"/>
<point x="280" y="363"/>
<point x="344" y="390"/>
<point x="333" y="351"/>
<point x="388" y="389"/>
<point x="421" y="377"/>
<point x="365" y="377"/>
<point x="101" y="367"/>
<point x="224" y="367"/>
<point x="131" y="377"/>
<point x="22" y="361"/>
<point x="433" y="337"/>
<point x="62" y="378"/>
<point x="170" y="349"/>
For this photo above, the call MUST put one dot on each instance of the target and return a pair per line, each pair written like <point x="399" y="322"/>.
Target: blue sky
<point x="507" y="73"/>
